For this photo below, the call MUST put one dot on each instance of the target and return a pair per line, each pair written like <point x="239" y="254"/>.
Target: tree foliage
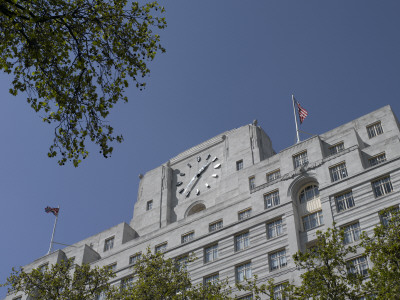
<point x="158" y="278"/>
<point x="268" y="289"/>
<point x="74" y="59"/>
<point x="325" y="274"/>
<point x="383" y="249"/>
<point x="325" y="269"/>
<point x="153" y="277"/>
<point x="61" y="281"/>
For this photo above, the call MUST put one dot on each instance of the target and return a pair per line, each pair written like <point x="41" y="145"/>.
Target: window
<point x="161" y="248"/>
<point x="300" y="159"/>
<point x="279" y="291"/>
<point x="210" y="253"/>
<point x="243" y="271"/>
<point x="367" y="297"/>
<point x="374" y="129"/>
<point x="112" y="267"/>
<point x="196" y="209"/>
<point x="344" y="201"/>
<point x="274" y="229"/>
<point x="377" y="159"/>
<point x="239" y="165"/>
<point x="309" y="193"/>
<point x="313" y="220"/>
<point x="382" y="186"/>
<point x="134" y="258"/>
<point x="242" y="241"/>
<point x="187" y="237"/>
<point x="211" y="279"/>
<point x="182" y="262"/>
<point x="277" y="260"/>
<point x="214" y="226"/>
<point x="358" y="265"/>
<point x="271" y="199"/>
<point x="338" y="172"/>
<point x="108" y="244"/>
<point x="101" y="296"/>
<point x="351" y="233"/>
<point x="273" y="175"/>
<point x="312" y="246"/>
<point x="387" y="215"/>
<point x="149" y="205"/>
<point x="244" y="214"/>
<point x="336" y="148"/>
<point x="247" y="297"/>
<point x="252" y="182"/>
<point x="126" y="282"/>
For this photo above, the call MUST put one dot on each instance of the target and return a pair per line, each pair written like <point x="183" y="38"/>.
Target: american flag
<point x="54" y="210"/>
<point x="302" y="112"/>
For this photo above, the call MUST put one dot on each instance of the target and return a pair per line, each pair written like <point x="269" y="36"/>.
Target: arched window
<point x="308" y="193"/>
<point x="196" y="208"/>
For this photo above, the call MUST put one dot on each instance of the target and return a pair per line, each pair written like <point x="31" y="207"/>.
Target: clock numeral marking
<point x="214" y="159"/>
<point x="181" y="174"/>
<point x="189" y="165"/>
<point x="217" y="166"/>
<point x="179" y="183"/>
<point x="197" y="192"/>
<point x="208" y="156"/>
<point x="207" y="185"/>
<point x="181" y="191"/>
<point x="198" y="158"/>
<point x="215" y="175"/>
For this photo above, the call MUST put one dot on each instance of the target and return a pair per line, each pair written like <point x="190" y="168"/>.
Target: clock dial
<point x="192" y="184"/>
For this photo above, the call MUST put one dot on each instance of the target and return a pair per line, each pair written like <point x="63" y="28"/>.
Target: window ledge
<point x="353" y="243"/>
<point x="383" y="196"/>
<point x="314" y="228"/>
<point x="210" y="262"/>
<point x="276" y="237"/>
<point x="345" y="210"/>
<point x="238" y="251"/>
<point x="279" y="269"/>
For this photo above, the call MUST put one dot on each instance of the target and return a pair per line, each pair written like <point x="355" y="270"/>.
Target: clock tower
<point x="196" y="179"/>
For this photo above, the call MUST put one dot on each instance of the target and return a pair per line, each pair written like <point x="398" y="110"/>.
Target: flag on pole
<point x="302" y="112"/>
<point x="54" y="210"/>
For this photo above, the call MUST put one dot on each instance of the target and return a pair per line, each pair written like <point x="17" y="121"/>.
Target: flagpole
<point x="295" y="120"/>
<point x="54" y="229"/>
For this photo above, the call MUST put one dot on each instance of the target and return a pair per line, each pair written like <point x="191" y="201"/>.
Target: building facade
<point x="244" y="209"/>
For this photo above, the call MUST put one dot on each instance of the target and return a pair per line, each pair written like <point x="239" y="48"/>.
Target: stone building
<point x="244" y="209"/>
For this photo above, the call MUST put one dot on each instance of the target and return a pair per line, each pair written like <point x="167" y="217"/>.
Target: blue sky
<point x="227" y="63"/>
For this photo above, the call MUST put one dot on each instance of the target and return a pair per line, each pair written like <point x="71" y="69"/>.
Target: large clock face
<point x="198" y="176"/>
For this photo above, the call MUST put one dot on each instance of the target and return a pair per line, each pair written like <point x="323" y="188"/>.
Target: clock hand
<point x="191" y="182"/>
<point x="189" y="185"/>
<point x="203" y="169"/>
